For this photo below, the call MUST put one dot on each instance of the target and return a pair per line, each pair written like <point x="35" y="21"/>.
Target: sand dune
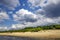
<point x="40" y="34"/>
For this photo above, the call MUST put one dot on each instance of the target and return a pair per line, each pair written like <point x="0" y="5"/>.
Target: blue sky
<point x="17" y="14"/>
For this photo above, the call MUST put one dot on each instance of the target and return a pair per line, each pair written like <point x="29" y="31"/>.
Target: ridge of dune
<point x="40" y="34"/>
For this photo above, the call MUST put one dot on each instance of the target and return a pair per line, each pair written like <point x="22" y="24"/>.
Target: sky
<point x="18" y="14"/>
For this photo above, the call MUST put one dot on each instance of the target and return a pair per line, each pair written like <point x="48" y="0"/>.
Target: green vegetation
<point x="34" y="29"/>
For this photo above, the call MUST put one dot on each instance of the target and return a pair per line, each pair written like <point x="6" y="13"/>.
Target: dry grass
<point x="43" y="34"/>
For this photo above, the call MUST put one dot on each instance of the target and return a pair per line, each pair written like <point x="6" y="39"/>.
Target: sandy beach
<point x="40" y="34"/>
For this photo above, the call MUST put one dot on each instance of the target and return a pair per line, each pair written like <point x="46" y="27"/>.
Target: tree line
<point x="34" y="29"/>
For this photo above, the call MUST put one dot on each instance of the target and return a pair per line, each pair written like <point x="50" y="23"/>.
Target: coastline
<point x="40" y="34"/>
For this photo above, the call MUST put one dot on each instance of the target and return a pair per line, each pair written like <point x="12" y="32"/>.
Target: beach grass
<point x="39" y="34"/>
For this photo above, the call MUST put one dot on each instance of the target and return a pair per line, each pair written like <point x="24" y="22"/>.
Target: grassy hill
<point x="34" y="29"/>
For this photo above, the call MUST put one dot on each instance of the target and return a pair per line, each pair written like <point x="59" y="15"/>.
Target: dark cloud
<point x="11" y="4"/>
<point x="52" y="10"/>
<point x="30" y="18"/>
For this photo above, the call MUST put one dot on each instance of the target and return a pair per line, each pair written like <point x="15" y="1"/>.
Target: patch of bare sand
<point x="40" y="34"/>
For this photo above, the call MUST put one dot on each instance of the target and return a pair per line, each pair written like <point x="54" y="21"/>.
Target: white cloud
<point x="3" y="15"/>
<point x="26" y="18"/>
<point x="40" y="16"/>
<point x="41" y="3"/>
<point x="41" y="19"/>
<point x="53" y="1"/>
<point x="24" y="15"/>
<point x="36" y="3"/>
<point x="11" y="4"/>
<point x="39" y="22"/>
<point x="3" y="28"/>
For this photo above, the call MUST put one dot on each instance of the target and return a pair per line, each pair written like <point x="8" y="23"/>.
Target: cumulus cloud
<point x="25" y="16"/>
<point x="11" y="4"/>
<point x="40" y="19"/>
<point x="49" y="14"/>
<point x="42" y="3"/>
<point x="37" y="3"/>
<point x="3" y="15"/>
<point x="40" y="22"/>
<point x="50" y="9"/>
